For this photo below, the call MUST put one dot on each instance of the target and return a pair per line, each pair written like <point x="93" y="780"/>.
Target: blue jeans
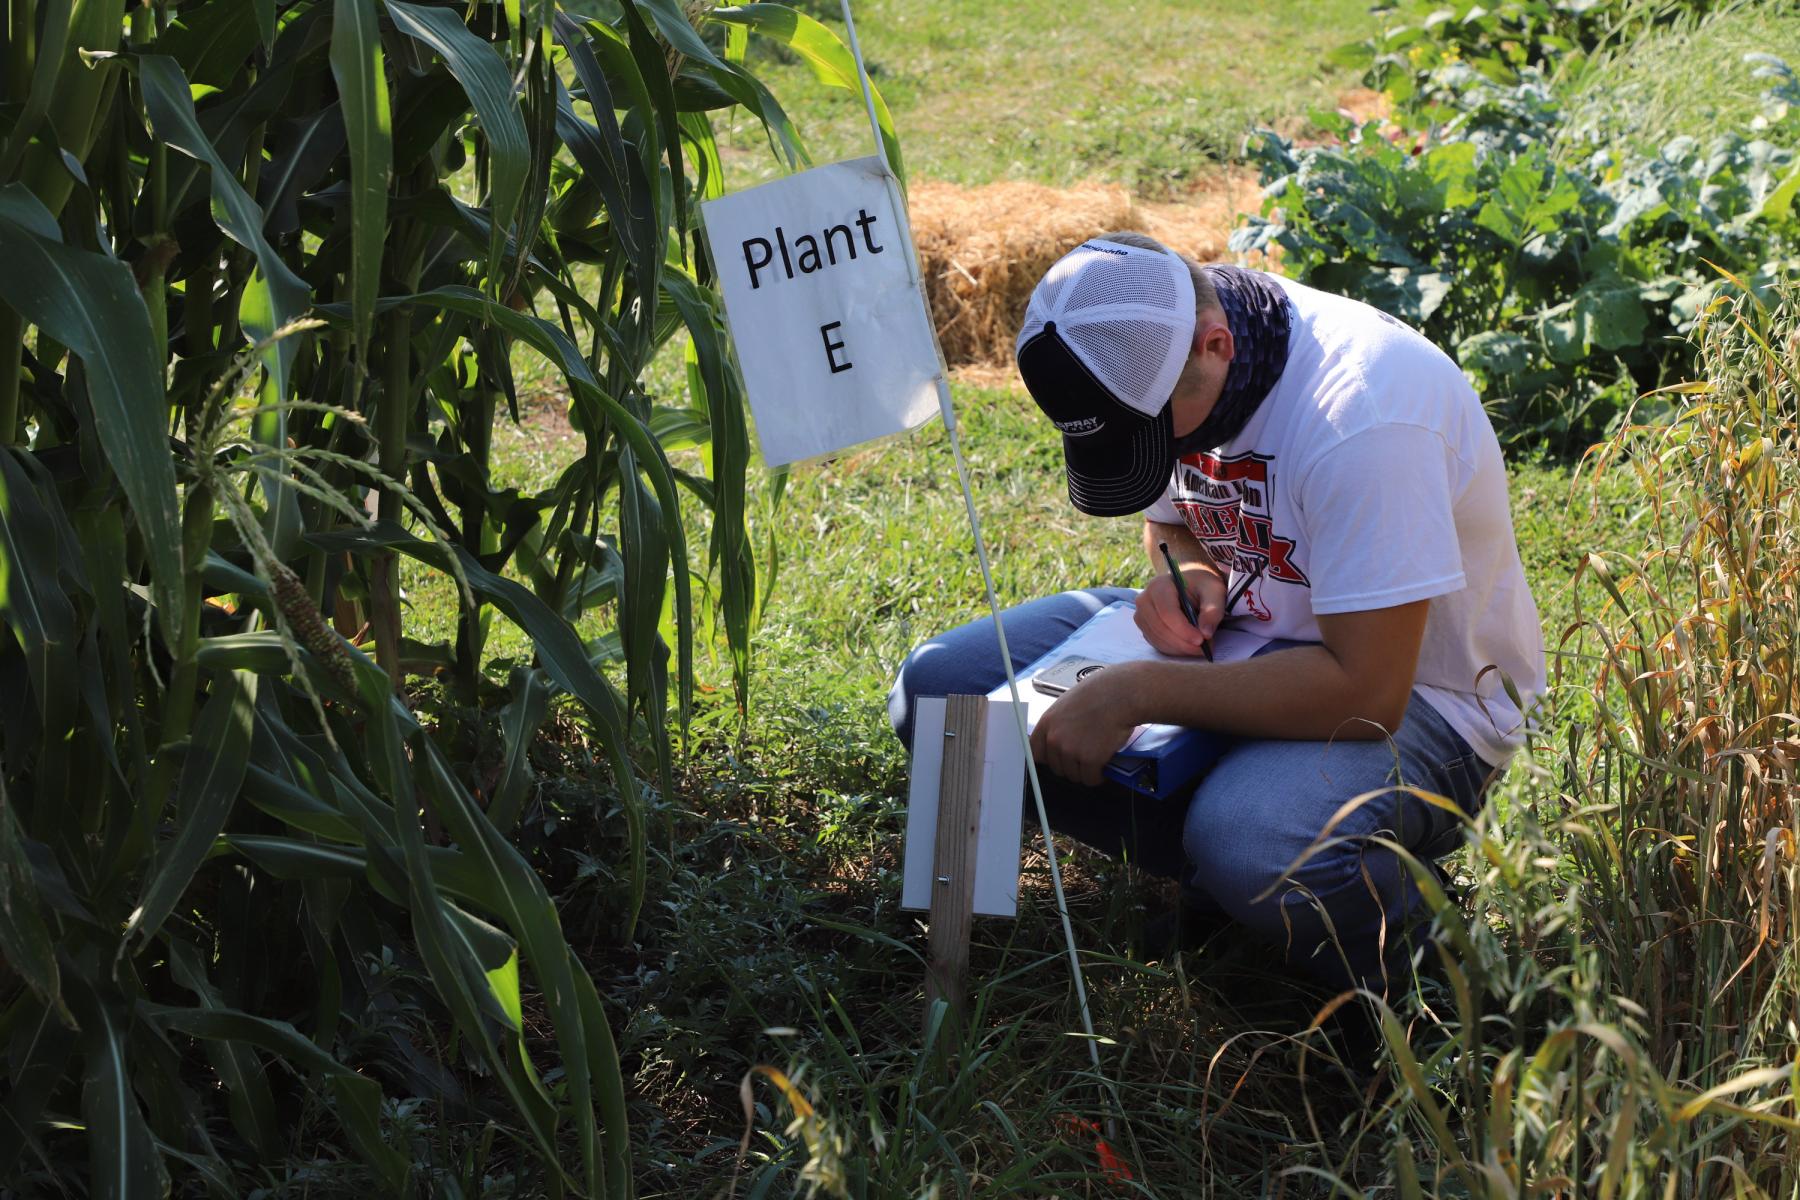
<point x="1235" y="843"/>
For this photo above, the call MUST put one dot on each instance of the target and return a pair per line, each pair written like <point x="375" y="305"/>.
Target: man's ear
<point x="1212" y="338"/>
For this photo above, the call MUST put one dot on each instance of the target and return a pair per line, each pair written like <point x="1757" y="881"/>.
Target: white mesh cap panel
<point x="1036" y="313"/>
<point x="1125" y="312"/>
<point x="1127" y="355"/>
<point x="1104" y="339"/>
<point x="1143" y="281"/>
<point x="1049" y="289"/>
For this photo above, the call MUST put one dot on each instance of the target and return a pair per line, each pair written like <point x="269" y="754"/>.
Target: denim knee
<point x="1257" y="851"/>
<point x="901" y="694"/>
<point x="929" y="670"/>
<point x="1228" y="860"/>
<point x="966" y="660"/>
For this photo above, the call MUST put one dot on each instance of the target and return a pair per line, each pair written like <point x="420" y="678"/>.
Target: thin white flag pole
<point x="981" y="555"/>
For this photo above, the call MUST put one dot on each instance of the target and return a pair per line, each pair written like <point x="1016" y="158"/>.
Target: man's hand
<point x="1165" y="626"/>
<point x="1088" y="724"/>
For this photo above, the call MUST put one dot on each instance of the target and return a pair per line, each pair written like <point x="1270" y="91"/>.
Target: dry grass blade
<point x="824" y="1170"/>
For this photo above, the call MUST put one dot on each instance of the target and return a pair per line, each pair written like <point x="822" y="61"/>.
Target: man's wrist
<point x="1201" y="566"/>
<point x="1141" y="687"/>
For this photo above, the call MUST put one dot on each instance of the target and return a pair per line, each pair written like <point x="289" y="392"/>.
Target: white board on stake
<point x="1002" y="796"/>
<point x="830" y="325"/>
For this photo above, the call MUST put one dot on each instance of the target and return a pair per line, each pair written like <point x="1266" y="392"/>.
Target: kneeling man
<point x="1332" y="473"/>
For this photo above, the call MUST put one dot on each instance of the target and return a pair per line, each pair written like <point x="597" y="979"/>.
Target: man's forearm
<point x="1304" y="694"/>
<point x="1186" y="548"/>
<point x="1355" y="684"/>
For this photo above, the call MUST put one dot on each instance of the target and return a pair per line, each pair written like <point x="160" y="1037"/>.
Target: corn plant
<point x="268" y="268"/>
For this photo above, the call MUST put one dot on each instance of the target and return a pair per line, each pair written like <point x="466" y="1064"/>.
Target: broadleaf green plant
<point x="1562" y="281"/>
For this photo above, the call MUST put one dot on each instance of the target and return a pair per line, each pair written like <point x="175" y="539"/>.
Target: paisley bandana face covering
<point x="1256" y="311"/>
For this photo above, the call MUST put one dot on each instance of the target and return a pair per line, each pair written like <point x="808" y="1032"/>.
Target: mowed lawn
<point x="1144" y="92"/>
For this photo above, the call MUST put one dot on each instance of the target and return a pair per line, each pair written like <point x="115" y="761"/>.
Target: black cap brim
<point x="1120" y="465"/>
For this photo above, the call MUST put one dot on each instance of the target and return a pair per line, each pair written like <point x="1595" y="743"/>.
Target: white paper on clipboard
<point x="1112" y="636"/>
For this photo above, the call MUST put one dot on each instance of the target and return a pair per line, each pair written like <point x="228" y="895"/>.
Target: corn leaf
<point x="731" y="78"/>
<point x="214" y="40"/>
<point x="631" y="200"/>
<point x="252" y="1103"/>
<point x="711" y="180"/>
<point x="54" y="15"/>
<point x="532" y="915"/>
<point x="297" y="806"/>
<point x="265" y="21"/>
<point x="822" y="50"/>
<point x="560" y="650"/>
<point x="33" y="602"/>
<point x="645" y="552"/>
<point x="359" y="1097"/>
<point x="653" y="94"/>
<point x="31" y="1077"/>
<point x="486" y="81"/>
<point x="361" y="73"/>
<point x="90" y="303"/>
<point x="305" y="150"/>
<point x="603" y="1064"/>
<point x="291" y="858"/>
<point x="211" y="775"/>
<point x="728" y="455"/>
<point x="122" y="1157"/>
<point x="24" y="936"/>
<point x="171" y="108"/>
<point x="460" y="977"/>
<point x="519" y="722"/>
<point x="273" y="297"/>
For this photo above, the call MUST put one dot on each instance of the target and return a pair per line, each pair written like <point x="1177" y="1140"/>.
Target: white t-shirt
<point x="1370" y="477"/>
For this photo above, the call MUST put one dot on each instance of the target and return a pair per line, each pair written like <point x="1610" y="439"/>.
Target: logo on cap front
<point x="1080" y="427"/>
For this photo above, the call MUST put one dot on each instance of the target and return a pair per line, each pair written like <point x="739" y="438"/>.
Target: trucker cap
<point x="1105" y="337"/>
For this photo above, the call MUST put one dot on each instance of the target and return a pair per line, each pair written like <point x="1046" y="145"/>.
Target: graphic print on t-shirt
<point x="1225" y="504"/>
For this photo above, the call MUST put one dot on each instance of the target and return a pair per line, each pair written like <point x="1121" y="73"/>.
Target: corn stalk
<point x="270" y="266"/>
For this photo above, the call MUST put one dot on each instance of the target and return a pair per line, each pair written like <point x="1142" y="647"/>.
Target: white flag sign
<point x="832" y="332"/>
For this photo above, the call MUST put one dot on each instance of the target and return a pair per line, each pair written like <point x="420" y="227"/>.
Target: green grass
<point x="1143" y="92"/>
<point x="1686" y="80"/>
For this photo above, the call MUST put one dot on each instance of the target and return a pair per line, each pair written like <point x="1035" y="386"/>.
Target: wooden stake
<point x="953" y="860"/>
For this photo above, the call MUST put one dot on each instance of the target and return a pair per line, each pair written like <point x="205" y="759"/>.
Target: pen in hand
<point x="1181" y="594"/>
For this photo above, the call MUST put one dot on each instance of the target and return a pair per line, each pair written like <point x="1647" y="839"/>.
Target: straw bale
<point x="1200" y="225"/>
<point x="983" y="249"/>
